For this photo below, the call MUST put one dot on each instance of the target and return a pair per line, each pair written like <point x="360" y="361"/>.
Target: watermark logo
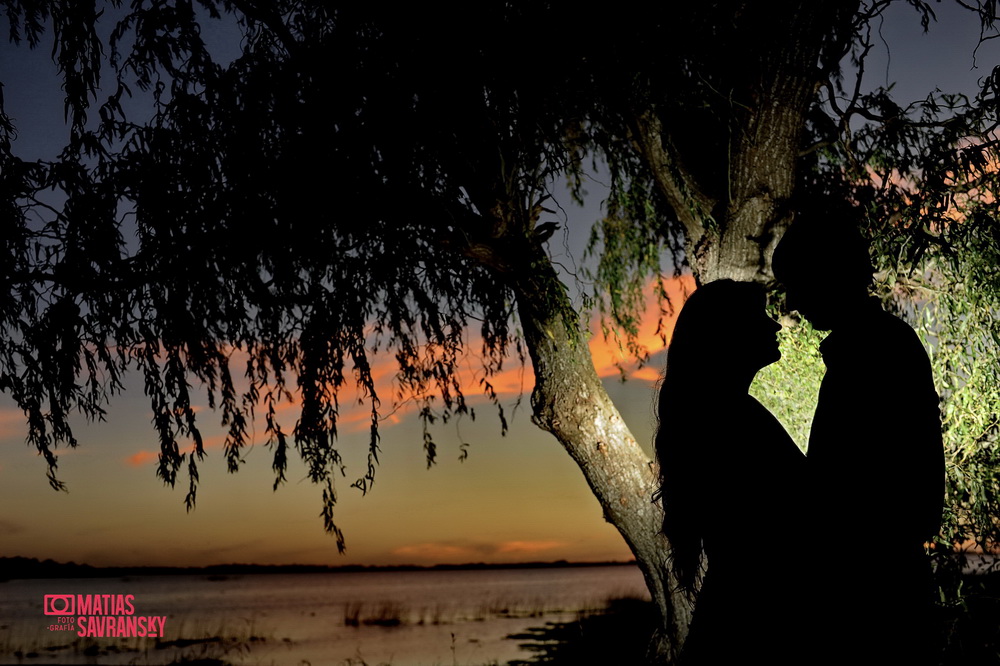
<point x="101" y="616"/>
<point x="59" y="604"/>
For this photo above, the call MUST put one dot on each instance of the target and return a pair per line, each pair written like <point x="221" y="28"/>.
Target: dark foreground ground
<point x="969" y="631"/>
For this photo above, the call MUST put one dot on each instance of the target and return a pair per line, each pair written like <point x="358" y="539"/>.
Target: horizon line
<point x="19" y="567"/>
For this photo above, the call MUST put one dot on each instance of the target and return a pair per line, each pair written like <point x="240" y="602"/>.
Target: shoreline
<point x="25" y="568"/>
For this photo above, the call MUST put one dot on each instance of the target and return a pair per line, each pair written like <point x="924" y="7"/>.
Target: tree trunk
<point x="570" y="402"/>
<point x="762" y="180"/>
<point x="734" y="215"/>
<point x="732" y="225"/>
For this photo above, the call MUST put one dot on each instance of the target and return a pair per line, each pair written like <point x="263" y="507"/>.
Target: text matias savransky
<point x="101" y="616"/>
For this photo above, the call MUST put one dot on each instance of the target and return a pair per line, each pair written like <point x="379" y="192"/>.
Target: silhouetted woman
<point x="731" y="481"/>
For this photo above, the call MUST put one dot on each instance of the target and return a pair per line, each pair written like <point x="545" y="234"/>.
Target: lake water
<point x="353" y="619"/>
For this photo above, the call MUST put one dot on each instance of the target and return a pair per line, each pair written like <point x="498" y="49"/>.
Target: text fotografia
<point x="101" y="616"/>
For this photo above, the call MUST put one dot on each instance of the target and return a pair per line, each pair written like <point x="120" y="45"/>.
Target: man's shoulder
<point x="876" y="335"/>
<point x="894" y="335"/>
<point x="883" y="322"/>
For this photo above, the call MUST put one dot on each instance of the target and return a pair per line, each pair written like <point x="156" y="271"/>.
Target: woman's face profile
<point x="756" y="338"/>
<point x="725" y="329"/>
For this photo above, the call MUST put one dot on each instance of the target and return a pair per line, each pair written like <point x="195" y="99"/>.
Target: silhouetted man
<point x="875" y="455"/>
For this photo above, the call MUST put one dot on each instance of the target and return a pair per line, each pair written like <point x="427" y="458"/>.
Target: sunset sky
<point x="515" y="498"/>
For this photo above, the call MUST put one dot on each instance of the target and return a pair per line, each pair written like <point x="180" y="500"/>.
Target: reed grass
<point x="387" y="613"/>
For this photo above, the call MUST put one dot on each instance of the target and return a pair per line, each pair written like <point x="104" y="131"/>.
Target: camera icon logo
<point x="59" y="604"/>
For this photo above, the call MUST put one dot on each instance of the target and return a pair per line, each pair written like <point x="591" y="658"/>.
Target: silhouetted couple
<point x="817" y="558"/>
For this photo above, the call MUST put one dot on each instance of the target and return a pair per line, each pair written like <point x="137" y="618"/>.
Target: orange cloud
<point x="13" y="423"/>
<point x="355" y="409"/>
<point x="141" y="458"/>
<point x="608" y="354"/>
<point x="145" y="456"/>
<point x="437" y="551"/>
<point x="963" y="182"/>
<point x="455" y="551"/>
<point x="528" y="546"/>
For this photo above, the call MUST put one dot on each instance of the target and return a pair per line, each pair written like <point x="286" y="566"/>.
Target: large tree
<point x="360" y="182"/>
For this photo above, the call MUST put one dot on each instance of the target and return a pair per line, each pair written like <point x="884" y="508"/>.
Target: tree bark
<point x="734" y="216"/>
<point x="570" y="402"/>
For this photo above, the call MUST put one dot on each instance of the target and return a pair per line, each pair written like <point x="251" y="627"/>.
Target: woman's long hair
<point x="688" y="405"/>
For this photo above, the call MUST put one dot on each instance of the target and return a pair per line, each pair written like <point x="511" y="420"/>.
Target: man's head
<point x="825" y="269"/>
